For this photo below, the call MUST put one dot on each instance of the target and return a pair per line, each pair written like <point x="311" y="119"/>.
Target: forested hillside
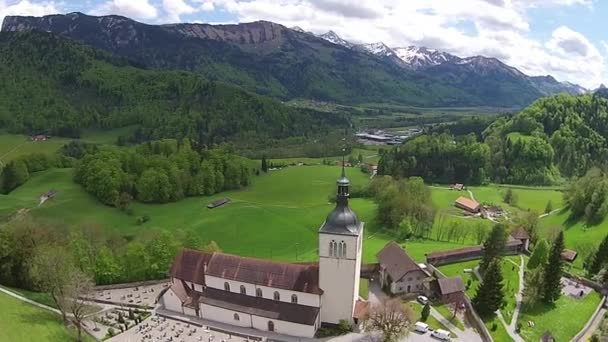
<point x="556" y="137"/>
<point x="270" y="59"/>
<point x="54" y="85"/>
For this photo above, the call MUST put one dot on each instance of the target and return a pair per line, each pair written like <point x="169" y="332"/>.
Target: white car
<point x="421" y="327"/>
<point x="441" y="334"/>
<point x="422" y="300"/>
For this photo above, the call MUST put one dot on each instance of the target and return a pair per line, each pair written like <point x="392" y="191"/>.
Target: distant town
<point x="380" y="137"/>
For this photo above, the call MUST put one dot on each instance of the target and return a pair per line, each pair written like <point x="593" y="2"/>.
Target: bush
<point x="494" y="326"/>
<point x="334" y="330"/>
<point x="143" y="219"/>
<point x="111" y="332"/>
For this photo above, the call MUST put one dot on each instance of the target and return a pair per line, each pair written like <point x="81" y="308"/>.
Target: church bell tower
<point x="340" y="247"/>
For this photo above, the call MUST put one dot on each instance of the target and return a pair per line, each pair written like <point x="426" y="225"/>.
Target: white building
<point x="399" y="273"/>
<point x="291" y="299"/>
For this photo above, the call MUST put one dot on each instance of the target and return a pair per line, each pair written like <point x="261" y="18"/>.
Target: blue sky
<point x="563" y="38"/>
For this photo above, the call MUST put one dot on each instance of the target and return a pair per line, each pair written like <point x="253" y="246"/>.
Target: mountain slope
<point x="58" y="86"/>
<point x="263" y="57"/>
<point x="421" y="59"/>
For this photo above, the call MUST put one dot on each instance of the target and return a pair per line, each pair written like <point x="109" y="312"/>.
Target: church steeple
<point x="343" y="187"/>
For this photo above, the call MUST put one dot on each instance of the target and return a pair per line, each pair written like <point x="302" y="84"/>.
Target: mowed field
<point x="13" y="146"/>
<point x="277" y="217"/>
<point x="23" y="322"/>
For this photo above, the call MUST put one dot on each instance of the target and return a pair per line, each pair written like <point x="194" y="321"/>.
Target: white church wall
<point x="189" y="311"/>
<point x="246" y="320"/>
<point x="283" y="327"/>
<point x="172" y="302"/>
<point x="304" y="298"/>
<point x="214" y="313"/>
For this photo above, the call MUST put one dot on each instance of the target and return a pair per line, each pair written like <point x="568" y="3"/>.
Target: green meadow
<point x="24" y="322"/>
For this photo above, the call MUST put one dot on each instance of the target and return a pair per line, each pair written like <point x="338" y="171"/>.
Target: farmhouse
<point x="448" y="290"/>
<point x="467" y="204"/>
<point x="286" y="298"/>
<point x="399" y="273"/>
<point x="569" y="255"/>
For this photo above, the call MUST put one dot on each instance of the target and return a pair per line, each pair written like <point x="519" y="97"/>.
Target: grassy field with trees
<point x="25" y="322"/>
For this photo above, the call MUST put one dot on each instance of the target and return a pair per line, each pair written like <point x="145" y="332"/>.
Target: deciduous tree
<point x="390" y="317"/>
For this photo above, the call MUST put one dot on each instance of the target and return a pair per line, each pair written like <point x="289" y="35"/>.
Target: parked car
<point x="421" y="327"/>
<point x="422" y="300"/>
<point x="441" y="334"/>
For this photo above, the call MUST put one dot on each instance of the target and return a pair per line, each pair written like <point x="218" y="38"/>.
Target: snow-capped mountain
<point x="332" y="37"/>
<point x="422" y="58"/>
<point x="440" y="63"/>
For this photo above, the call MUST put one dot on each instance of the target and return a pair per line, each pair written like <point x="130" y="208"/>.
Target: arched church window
<point x="277" y="295"/>
<point x="340" y="250"/>
<point x="258" y="292"/>
<point x="243" y="289"/>
<point x="270" y="326"/>
<point x="236" y="317"/>
<point x="336" y="249"/>
<point x="343" y="249"/>
<point x="331" y="248"/>
<point x="226" y="286"/>
<point x="294" y="299"/>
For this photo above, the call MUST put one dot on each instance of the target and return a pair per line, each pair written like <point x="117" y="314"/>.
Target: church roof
<point x="189" y="266"/>
<point x="288" y="276"/>
<point x="342" y="220"/>
<point x="259" y="306"/>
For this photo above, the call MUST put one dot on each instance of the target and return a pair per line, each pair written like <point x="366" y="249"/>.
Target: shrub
<point x="494" y="326"/>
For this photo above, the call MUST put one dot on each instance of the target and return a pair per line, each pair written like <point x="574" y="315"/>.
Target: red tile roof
<point x="520" y="234"/>
<point x="294" y="277"/>
<point x="396" y="261"/>
<point x="259" y="306"/>
<point x="467" y="203"/>
<point x="189" y="266"/>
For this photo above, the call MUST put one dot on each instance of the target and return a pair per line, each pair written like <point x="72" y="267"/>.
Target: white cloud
<point x="175" y="8"/>
<point x="501" y="29"/>
<point x="26" y="7"/>
<point x="137" y="9"/>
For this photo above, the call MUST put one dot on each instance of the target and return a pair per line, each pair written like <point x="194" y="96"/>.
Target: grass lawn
<point x="564" y="320"/>
<point x="497" y="329"/>
<point x="363" y="288"/>
<point x="24" y="322"/>
<point x="370" y="156"/>
<point x="40" y="297"/>
<point x="431" y="321"/>
<point x="448" y="314"/>
<point x="277" y="217"/>
<point x="14" y="145"/>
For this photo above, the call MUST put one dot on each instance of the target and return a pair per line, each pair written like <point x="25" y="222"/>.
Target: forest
<point x="59" y="87"/>
<point x="556" y="138"/>
<point x="159" y="172"/>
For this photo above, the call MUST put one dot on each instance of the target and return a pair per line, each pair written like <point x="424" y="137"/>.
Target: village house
<point x="399" y="273"/>
<point x="286" y="298"/>
<point x="448" y="290"/>
<point x="467" y="204"/>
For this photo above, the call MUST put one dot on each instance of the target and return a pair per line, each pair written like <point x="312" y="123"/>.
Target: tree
<point x="426" y="311"/>
<point x="14" y="174"/>
<point x="211" y="247"/>
<point x="481" y="233"/>
<point x="51" y="268"/>
<point x="489" y="295"/>
<point x="457" y="304"/>
<point x="599" y="258"/>
<point x="549" y="207"/>
<point x="494" y="246"/>
<point x="264" y="164"/>
<point x="75" y="302"/>
<point x="360" y="158"/>
<point x="553" y="271"/>
<point x="124" y="200"/>
<point x="510" y="197"/>
<point x="390" y="317"/>
<point x="539" y="255"/>
<point x="405" y="228"/>
<point x="533" y="286"/>
<point x="107" y="270"/>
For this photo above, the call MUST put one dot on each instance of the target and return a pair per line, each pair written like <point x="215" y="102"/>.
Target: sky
<point x="563" y="38"/>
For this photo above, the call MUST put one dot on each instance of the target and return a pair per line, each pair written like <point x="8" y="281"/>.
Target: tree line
<point x="105" y="257"/>
<point x="159" y="172"/>
<point x="555" y="137"/>
<point x="17" y="171"/>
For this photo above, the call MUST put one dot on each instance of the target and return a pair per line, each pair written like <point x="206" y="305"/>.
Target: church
<point x="286" y="298"/>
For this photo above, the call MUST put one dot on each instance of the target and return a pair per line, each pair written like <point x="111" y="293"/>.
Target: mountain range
<point x="271" y="59"/>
